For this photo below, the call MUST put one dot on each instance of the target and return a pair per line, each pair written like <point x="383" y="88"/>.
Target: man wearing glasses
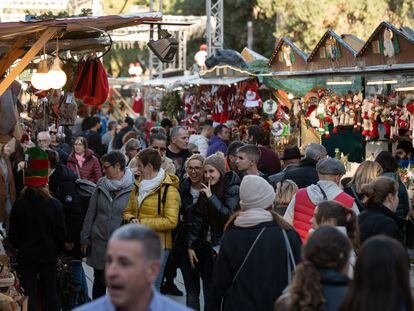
<point x="44" y="141"/>
<point x="159" y="142"/>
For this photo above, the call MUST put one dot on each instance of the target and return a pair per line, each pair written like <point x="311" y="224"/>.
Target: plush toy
<point x="366" y="111"/>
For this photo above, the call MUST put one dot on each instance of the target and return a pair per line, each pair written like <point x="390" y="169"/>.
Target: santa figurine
<point x="252" y="99"/>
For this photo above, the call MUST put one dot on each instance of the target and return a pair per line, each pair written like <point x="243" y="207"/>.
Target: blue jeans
<point x="160" y="276"/>
<point x="79" y="286"/>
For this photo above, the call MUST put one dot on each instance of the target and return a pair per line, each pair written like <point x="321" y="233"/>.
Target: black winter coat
<point x="378" y="219"/>
<point x="95" y="143"/>
<point x="264" y="275"/>
<point x="63" y="187"/>
<point x="187" y="209"/>
<point x="212" y="214"/>
<point x="304" y="175"/>
<point x="334" y="286"/>
<point x="37" y="229"/>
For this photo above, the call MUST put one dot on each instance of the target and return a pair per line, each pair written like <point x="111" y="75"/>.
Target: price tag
<point x="69" y="98"/>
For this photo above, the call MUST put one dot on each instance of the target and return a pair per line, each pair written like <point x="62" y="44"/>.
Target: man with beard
<point x="132" y="263"/>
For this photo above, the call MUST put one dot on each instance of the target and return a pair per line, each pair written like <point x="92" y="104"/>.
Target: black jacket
<point x="378" y="219"/>
<point x="357" y="196"/>
<point x="63" y="187"/>
<point x="264" y="275"/>
<point x="275" y="178"/>
<point x="37" y="229"/>
<point x="63" y="151"/>
<point x="212" y="214"/>
<point x="187" y="208"/>
<point x="304" y="175"/>
<point x="95" y="142"/>
<point x="334" y="286"/>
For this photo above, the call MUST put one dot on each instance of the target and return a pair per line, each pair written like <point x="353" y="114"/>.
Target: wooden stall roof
<point x="338" y="38"/>
<point x="405" y="34"/>
<point x="74" y="32"/>
<point x="291" y="44"/>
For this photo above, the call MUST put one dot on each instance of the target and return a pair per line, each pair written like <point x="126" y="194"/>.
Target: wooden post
<point x="27" y="58"/>
<point x="14" y="53"/>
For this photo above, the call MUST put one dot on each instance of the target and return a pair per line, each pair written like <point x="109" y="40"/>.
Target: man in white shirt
<point x="201" y="141"/>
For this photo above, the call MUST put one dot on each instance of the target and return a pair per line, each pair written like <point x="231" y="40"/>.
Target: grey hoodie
<point x="315" y="195"/>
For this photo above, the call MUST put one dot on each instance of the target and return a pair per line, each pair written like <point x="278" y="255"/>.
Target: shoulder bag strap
<point x="247" y="255"/>
<point x="357" y="199"/>
<point x="241" y="267"/>
<point x="290" y="259"/>
<point x="323" y="192"/>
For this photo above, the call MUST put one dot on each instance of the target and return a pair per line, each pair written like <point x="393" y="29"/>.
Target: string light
<point x="56" y="75"/>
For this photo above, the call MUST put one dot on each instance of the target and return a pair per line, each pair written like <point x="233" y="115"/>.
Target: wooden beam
<point x="124" y="101"/>
<point x="14" y="53"/>
<point x="27" y="58"/>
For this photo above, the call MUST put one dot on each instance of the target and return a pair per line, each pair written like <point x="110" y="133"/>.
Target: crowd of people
<point x="258" y="232"/>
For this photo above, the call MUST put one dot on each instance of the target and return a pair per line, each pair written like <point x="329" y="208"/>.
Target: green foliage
<point x="61" y="14"/>
<point x="172" y="105"/>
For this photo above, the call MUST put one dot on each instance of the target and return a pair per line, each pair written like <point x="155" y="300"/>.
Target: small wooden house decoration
<point x="287" y="57"/>
<point x="387" y="45"/>
<point x="332" y="51"/>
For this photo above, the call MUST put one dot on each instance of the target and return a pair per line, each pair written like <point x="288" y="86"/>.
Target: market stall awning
<point x="218" y="81"/>
<point x="72" y="32"/>
<point x="170" y="82"/>
<point x="26" y="39"/>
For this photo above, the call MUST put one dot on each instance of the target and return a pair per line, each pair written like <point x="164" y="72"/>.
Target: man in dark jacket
<point x="93" y="137"/>
<point x="306" y="175"/>
<point x="126" y="126"/>
<point x="291" y="160"/>
<point x="62" y="185"/>
<point x="219" y="141"/>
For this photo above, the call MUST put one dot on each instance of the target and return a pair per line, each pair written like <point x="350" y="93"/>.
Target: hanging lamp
<point x="56" y="75"/>
<point x="40" y="78"/>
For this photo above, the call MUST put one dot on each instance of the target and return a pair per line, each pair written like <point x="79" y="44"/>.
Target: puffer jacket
<point x="162" y="219"/>
<point x="103" y="217"/>
<point x="211" y="214"/>
<point x="90" y="170"/>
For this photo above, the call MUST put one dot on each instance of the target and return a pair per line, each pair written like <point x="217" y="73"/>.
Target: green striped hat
<point x="36" y="172"/>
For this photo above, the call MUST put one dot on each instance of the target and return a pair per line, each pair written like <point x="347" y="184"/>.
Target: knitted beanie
<point x="256" y="192"/>
<point x="218" y="161"/>
<point x="36" y="172"/>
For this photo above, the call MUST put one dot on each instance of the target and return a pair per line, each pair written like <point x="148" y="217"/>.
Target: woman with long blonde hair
<point x="365" y="173"/>
<point x="285" y="190"/>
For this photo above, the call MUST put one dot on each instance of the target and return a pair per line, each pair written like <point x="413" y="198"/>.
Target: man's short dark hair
<point x="166" y="122"/>
<point x="94" y="121"/>
<point x="157" y="136"/>
<point x="150" y="156"/>
<point x="232" y="149"/>
<point x="129" y="121"/>
<point x="112" y="125"/>
<point x="139" y="233"/>
<point x="252" y="151"/>
<point x="53" y="157"/>
<point x="219" y="128"/>
<point x="256" y="134"/>
<point x="405" y="145"/>
<point x="113" y="158"/>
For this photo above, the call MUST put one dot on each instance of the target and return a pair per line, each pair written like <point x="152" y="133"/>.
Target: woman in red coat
<point x="82" y="161"/>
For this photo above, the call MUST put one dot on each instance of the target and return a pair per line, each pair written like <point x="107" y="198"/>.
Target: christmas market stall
<point x="50" y="74"/>
<point x="353" y="95"/>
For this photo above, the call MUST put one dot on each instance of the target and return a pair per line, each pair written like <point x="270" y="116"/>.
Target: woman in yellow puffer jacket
<point x="155" y="201"/>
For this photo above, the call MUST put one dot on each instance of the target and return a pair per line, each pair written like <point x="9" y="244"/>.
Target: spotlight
<point x="165" y="47"/>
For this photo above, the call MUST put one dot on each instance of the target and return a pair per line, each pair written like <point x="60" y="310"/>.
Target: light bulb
<point x="56" y="75"/>
<point x="40" y="79"/>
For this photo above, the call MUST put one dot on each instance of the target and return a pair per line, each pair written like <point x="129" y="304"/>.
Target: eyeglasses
<point x="159" y="148"/>
<point x="52" y="133"/>
<point x="195" y="169"/>
<point x="78" y="144"/>
<point x="105" y="167"/>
